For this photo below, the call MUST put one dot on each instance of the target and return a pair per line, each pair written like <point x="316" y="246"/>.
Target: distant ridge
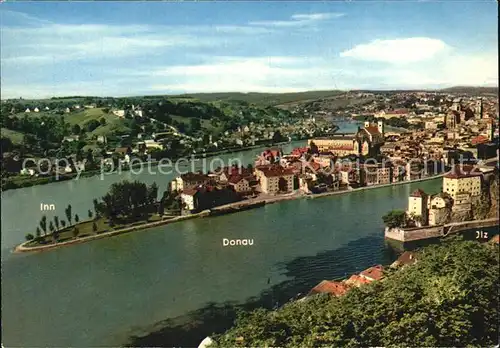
<point x="471" y="90"/>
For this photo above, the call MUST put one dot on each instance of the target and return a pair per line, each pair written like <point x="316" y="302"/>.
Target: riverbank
<point x="216" y="211"/>
<point x="19" y="181"/>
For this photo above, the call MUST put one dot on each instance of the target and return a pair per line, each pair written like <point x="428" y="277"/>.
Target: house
<point x="189" y="180"/>
<point x="480" y="139"/>
<point x="205" y="197"/>
<point x="123" y="150"/>
<point x="373" y="273"/>
<point x="406" y="258"/>
<point x="417" y="207"/>
<point x="242" y="184"/>
<point x="67" y="110"/>
<point x="495" y="239"/>
<point x="274" y="178"/>
<point x="152" y="144"/>
<point x="27" y="171"/>
<point x="357" y="280"/>
<point x="298" y="151"/>
<point x="187" y="198"/>
<point x="329" y="287"/>
<point x="36" y="110"/>
<point x="439" y="207"/>
<point x="27" y="110"/>
<point x="462" y="179"/>
<point x="102" y="139"/>
<point x="119" y="113"/>
<point x="375" y="174"/>
<point x="392" y="113"/>
<point x="71" y="138"/>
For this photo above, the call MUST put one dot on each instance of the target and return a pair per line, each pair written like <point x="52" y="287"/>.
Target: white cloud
<point x="53" y="43"/>
<point x="397" y="51"/>
<point x="298" y="20"/>
<point x="246" y="74"/>
<point x="317" y="16"/>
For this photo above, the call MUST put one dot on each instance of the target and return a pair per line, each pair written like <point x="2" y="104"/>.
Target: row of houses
<point x="369" y="275"/>
<point x="462" y="188"/>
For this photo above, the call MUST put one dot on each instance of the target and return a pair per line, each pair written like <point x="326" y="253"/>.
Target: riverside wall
<point x="429" y="232"/>
<point x="413" y="234"/>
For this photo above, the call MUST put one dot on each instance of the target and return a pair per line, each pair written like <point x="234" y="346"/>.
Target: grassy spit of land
<point x="100" y="228"/>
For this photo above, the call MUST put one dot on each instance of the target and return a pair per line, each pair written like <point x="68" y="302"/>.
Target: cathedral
<point x="366" y="141"/>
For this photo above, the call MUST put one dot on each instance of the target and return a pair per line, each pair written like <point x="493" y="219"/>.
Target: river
<point x="103" y="292"/>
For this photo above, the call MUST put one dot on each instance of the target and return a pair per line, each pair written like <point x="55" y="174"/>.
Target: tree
<point x="127" y="200"/>
<point x="76" y="231"/>
<point x="51" y="227"/>
<point x="161" y="208"/>
<point x="69" y="215"/>
<point x="56" y="221"/>
<point x="448" y="298"/>
<point x="395" y="218"/>
<point x="94" y="227"/>
<point x="76" y="129"/>
<point x="43" y="224"/>
<point x="194" y="125"/>
<point x="38" y="233"/>
<point x="102" y="121"/>
<point x="96" y="207"/>
<point x="29" y="236"/>
<point x="90" y="214"/>
<point x="63" y="223"/>
<point x="277" y="137"/>
<point x="77" y="219"/>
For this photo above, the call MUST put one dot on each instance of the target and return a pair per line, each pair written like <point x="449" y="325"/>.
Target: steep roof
<point x="418" y="193"/>
<point x="406" y="258"/>
<point x="372" y="130"/>
<point x="330" y="287"/>
<point x="373" y="273"/>
<point x="464" y="171"/>
<point x="194" y="177"/>
<point x="479" y="140"/>
<point x="275" y="170"/>
<point x="357" y="280"/>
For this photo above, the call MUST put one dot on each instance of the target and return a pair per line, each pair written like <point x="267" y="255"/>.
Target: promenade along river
<point x="100" y="293"/>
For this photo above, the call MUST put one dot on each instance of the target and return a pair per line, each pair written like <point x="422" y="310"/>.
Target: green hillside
<point x="261" y="99"/>
<point x="14" y="136"/>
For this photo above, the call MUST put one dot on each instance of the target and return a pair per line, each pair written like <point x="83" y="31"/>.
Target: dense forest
<point x="449" y="297"/>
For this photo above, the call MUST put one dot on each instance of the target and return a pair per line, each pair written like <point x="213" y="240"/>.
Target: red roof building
<point x="418" y="193"/>
<point x="372" y="130"/>
<point x="373" y="273"/>
<point x="463" y="171"/>
<point x="357" y="280"/>
<point x="329" y="287"/>
<point x="480" y="139"/>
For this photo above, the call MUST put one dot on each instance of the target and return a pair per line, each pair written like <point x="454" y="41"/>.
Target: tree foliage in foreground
<point x="448" y="298"/>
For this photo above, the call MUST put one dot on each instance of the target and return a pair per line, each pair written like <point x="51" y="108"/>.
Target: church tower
<point x="479" y="108"/>
<point x="380" y="126"/>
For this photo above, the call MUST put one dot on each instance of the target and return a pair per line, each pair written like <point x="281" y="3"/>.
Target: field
<point x="15" y="137"/>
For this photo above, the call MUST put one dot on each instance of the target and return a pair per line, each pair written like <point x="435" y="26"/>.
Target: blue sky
<point x="135" y="48"/>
